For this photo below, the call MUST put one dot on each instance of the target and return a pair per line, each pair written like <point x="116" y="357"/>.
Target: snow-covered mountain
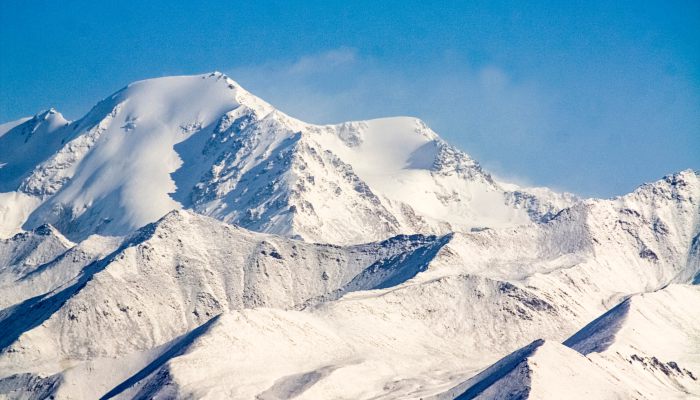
<point x="204" y="143"/>
<point x="184" y="239"/>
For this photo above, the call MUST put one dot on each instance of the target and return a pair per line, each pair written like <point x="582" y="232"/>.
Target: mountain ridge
<point x="205" y="134"/>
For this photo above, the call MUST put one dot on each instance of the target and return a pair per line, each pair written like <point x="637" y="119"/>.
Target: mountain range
<point x="185" y="239"/>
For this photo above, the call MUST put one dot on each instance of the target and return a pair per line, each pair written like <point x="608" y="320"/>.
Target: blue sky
<point x="591" y="97"/>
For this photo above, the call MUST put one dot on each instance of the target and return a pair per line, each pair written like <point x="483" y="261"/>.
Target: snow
<point x="29" y="143"/>
<point x="186" y="240"/>
<point x="133" y="157"/>
<point x="7" y="126"/>
<point x="626" y="353"/>
<point x="203" y="142"/>
<point x="651" y="343"/>
<point x="540" y="370"/>
<point x="396" y="156"/>
<point x="419" y="335"/>
<point x="15" y="208"/>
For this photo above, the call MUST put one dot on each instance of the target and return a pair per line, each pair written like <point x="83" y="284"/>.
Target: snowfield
<point x="184" y="239"/>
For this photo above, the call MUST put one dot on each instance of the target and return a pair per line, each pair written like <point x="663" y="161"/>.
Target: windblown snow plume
<point x="184" y="239"/>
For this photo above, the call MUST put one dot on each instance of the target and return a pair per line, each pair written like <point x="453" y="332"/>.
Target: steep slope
<point x="540" y="370"/>
<point x="24" y="144"/>
<point x="41" y="260"/>
<point x="35" y="262"/>
<point x="114" y="175"/>
<point x="203" y="142"/>
<point x="644" y="348"/>
<point x="24" y="254"/>
<point x="7" y="126"/>
<point x="649" y="342"/>
<point x="29" y="143"/>
<point x="594" y="254"/>
<point x="26" y="250"/>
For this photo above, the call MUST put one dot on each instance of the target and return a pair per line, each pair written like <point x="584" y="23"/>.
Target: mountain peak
<point x="51" y="116"/>
<point x="209" y="94"/>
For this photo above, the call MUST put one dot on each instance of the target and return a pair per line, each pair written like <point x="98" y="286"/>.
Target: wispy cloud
<point x="316" y="63"/>
<point x="521" y="129"/>
<point x="458" y="100"/>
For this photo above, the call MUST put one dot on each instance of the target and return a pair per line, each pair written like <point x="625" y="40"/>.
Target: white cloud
<point x="463" y="103"/>
<point x="321" y="62"/>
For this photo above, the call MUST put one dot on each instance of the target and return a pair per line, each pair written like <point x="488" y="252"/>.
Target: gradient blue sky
<point x="591" y="97"/>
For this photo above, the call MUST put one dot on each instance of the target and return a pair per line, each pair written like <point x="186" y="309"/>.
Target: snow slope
<point x="649" y="342"/>
<point x="644" y="348"/>
<point x="27" y="144"/>
<point x="24" y="144"/>
<point x="7" y="126"/>
<point x="36" y="262"/>
<point x="540" y="370"/>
